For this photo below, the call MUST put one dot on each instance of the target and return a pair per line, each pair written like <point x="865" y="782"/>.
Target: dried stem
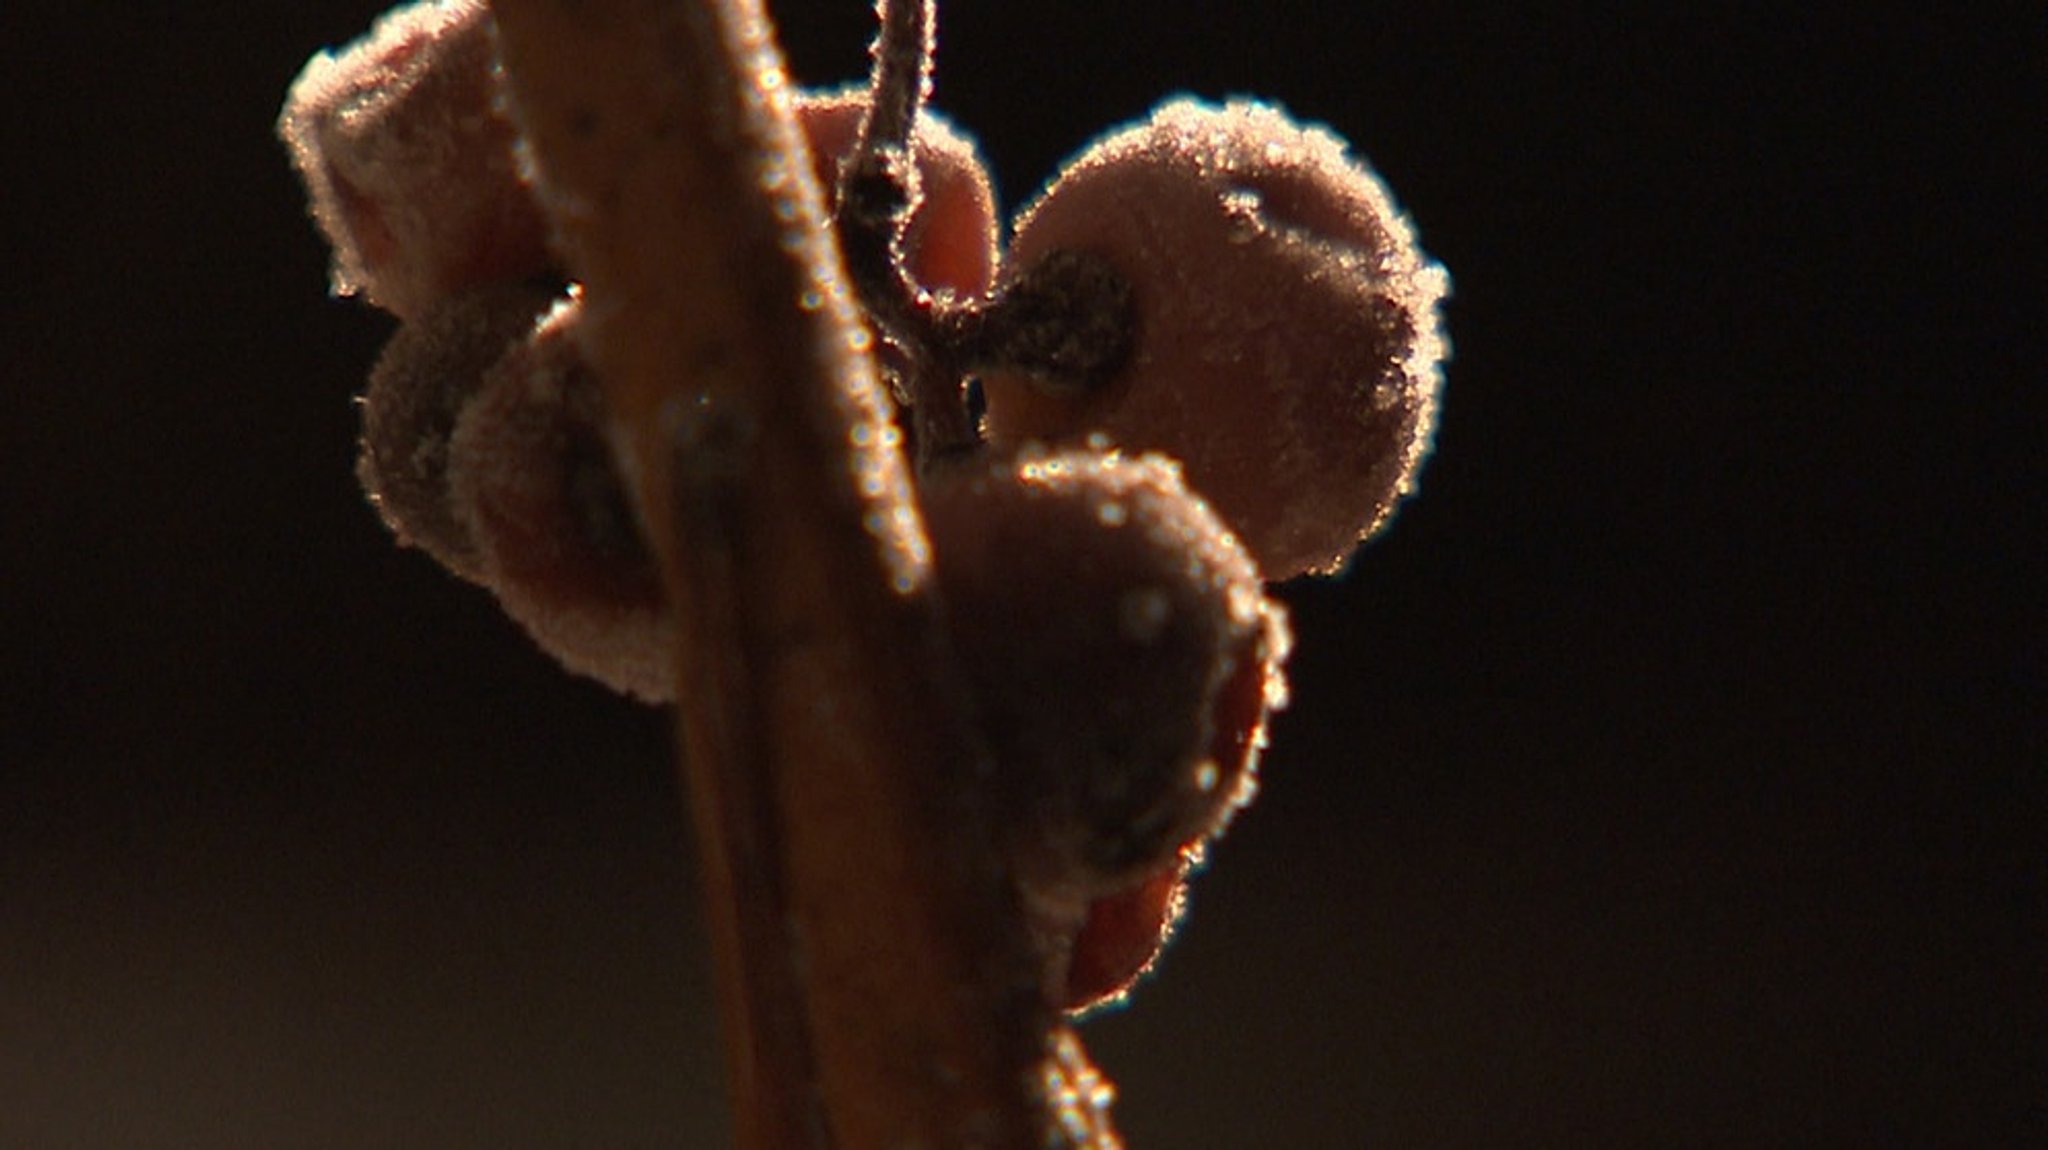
<point x="878" y="190"/>
<point x="876" y="981"/>
<point x="902" y="78"/>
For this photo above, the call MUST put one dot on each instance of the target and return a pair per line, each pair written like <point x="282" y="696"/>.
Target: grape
<point x="428" y="372"/>
<point x="950" y="240"/>
<point x="1121" y="659"/>
<point x="1286" y="346"/>
<point x="410" y="166"/>
<point x="533" y="478"/>
<point x="1122" y="936"/>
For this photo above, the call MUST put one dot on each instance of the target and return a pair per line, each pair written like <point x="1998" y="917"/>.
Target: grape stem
<point x="877" y="981"/>
<point x="902" y="80"/>
<point x="1066" y="323"/>
<point x="878" y="191"/>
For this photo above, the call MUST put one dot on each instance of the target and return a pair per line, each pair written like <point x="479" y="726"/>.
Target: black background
<point x="1672" y="774"/>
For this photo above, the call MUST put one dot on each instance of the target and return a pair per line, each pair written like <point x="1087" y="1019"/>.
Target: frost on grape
<point x="533" y="477"/>
<point x="1116" y="640"/>
<point x="949" y="242"/>
<point x="1288" y="344"/>
<point x="1122" y="661"/>
<point x="408" y="164"/>
<point x="429" y="372"/>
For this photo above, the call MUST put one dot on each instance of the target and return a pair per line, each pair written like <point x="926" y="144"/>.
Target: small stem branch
<point x="1068" y="322"/>
<point x="878" y="191"/>
<point x="902" y="74"/>
<point x="876" y="979"/>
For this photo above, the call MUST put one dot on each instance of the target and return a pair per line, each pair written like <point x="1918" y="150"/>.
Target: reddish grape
<point x="1119" y="653"/>
<point x="950" y="239"/>
<point x="429" y="370"/>
<point x="410" y="167"/>
<point x="532" y="476"/>
<point x="1286" y="346"/>
<point x="1122" y="660"/>
<point x="1122" y="936"/>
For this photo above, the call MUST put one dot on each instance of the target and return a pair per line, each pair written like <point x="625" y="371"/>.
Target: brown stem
<point x="876" y="981"/>
<point x="903" y="72"/>
<point x="878" y="191"/>
<point x="1067" y="323"/>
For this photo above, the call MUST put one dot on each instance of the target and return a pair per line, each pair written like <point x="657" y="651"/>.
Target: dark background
<point x="1672" y="774"/>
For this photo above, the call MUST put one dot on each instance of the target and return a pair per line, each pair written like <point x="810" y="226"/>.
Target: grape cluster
<point x="1209" y="355"/>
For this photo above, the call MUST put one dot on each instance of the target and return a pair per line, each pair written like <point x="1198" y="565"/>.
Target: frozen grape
<point x="1121" y="659"/>
<point x="411" y="169"/>
<point x="1286" y="343"/>
<point x="1122" y="935"/>
<point x="533" y="478"/>
<point x="1119" y="651"/>
<point x="950" y="239"/>
<point x="429" y="370"/>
